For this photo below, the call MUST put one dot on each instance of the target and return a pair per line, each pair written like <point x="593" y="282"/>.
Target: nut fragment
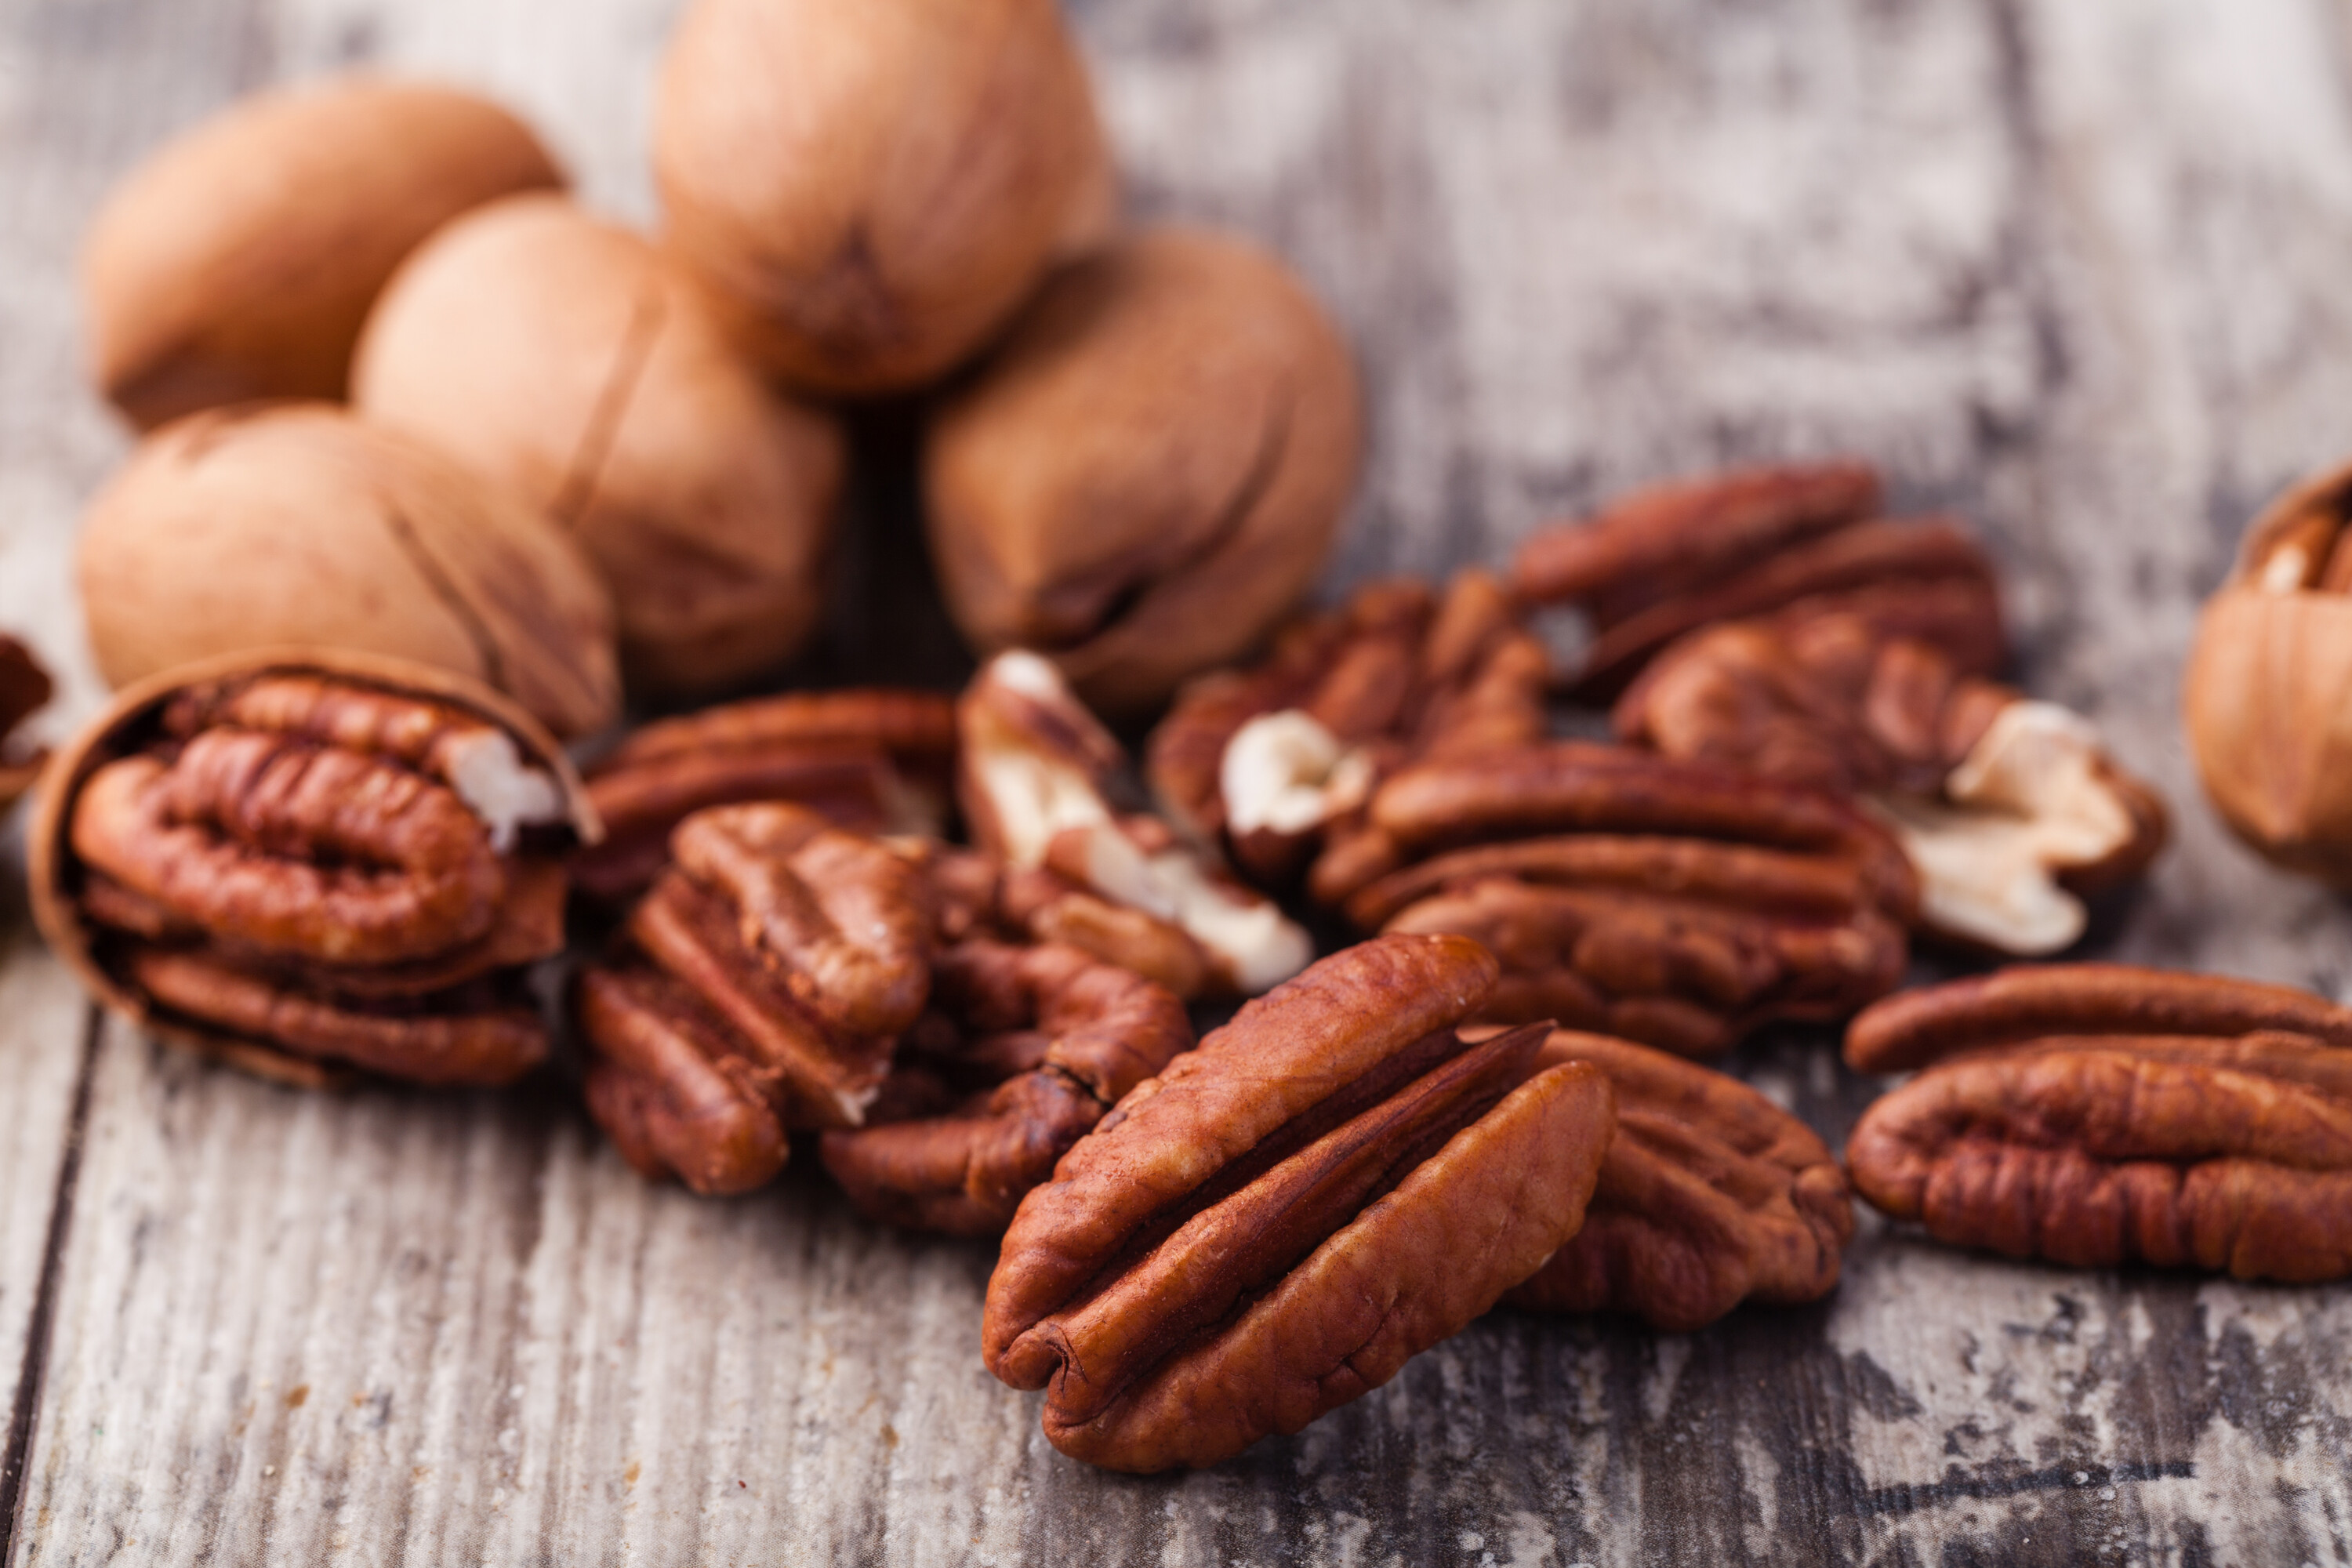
<point x="270" y="525"/>
<point x="2094" y="1114"/>
<point x="1711" y="1195"/>
<point x="871" y="759"/>
<point x="1327" y="1185"/>
<point x="1669" y="559"/>
<point x="239" y="261"/>
<point x="871" y="191"/>
<point x="1149" y="472"/>
<point x="2012" y="810"/>
<point x="310" y="859"/>
<point x="1028" y="1047"/>
<point x="564" y="357"/>
<point x="24" y="688"/>
<point x="759" y="988"/>
<point x="1031" y="776"/>
<point x="2262" y="692"/>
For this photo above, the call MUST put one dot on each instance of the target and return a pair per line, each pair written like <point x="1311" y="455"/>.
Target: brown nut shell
<point x="25" y="687"/>
<point x="565" y="357"/>
<point x="239" y="261"/>
<point x="1151" y="470"/>
<point x="59" y="880"/>
<point x="274" y="524"/>
<point x="869" y="192"/>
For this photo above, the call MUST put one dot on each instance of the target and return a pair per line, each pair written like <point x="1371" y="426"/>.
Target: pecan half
<point x="1711" y="1195"/>
<point x="1273" y="758"/>
<point x="2012" y="810"/>
<point x="760" y="987"/>
<point x="872" y="760"/>
<point x="24" y="688"/>
<point x="1664" y="560"/>
<point x="302" y="860"/>
<point x="1030" y="1046"/>
<point x="1678" y="905"/>
<point x="2168" y="1119"/>
<point x="1327" y="1185"/>
<point x="1034" y="775"/>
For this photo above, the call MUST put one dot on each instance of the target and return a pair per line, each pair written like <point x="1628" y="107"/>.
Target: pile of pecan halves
<point x="1491" y="1096"/>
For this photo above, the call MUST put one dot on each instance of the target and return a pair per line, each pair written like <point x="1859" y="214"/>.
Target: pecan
<point x="2011" y="810"/>
<point x="1274" y="758"/>
<point x="1664" y="560"/>
<point x="759" y="987"/>
<point x="1033" y="776"/>
<point x="872" y="760"/>
<point x="1327" y="1185"/>
<point x="1711" y="1195"/>
<point x="24" y="688"/>
<point x="301" y="860"/>
<point x="978" y="894"/>
<point x="1041" y="1041"/>
<point x="1666" y="902"/>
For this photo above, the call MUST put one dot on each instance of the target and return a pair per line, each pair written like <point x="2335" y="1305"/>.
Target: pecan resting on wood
<point x="1035" y="775"/>
<point x="760" y="987"/>
<point x="2094" y="1115"/>
<point x="24" y="688"/>
<point x="1327" y="1185"/>
<point x="1671" y="558"/>
<point x="1662" y="901"/>
<point x="1711" y="1195"/>
<point x="1023" y="1050"/>
<point x="300" y="860"/>
<point x="872" y="760"/>
<point x="1270" y="760"/>
<point x="2011" y="810"/>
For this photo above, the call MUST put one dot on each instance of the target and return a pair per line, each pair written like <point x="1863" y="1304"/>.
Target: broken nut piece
<point x="24" y="687"/>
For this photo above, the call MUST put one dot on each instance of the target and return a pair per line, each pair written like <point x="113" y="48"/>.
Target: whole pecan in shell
<point x="300" y="858"/>
<point x="1711" y="1195"/>
<point x="25" y="687"/>
<point x="1041" y="1041"/>
<point x="2164" y="1118"/>
<point x="1326" y="1187"/>
<point x="761" y="986"/>
<point x="871" y="759"/>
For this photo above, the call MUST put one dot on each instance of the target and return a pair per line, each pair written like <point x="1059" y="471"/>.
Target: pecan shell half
<point x="1030" y="1046"/>
<point x="2096" y="1115"/>
<point x="25" y="687"/>
<point x="1711" y="1195"/>
<point x="1327" y="1185"/>
<point x="296" y="859"/>
<point x="759" y="986"/>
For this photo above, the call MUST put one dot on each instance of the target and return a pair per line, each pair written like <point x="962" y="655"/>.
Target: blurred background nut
<point x="2264" y="695"/>
<point x="239" y="261"/>
<point x="296" y="524"/>
<point x="563" y="356"/>
<point x="1151" y="470"/>
<point x="25" y="687"/>
<point x="871" y="190"/>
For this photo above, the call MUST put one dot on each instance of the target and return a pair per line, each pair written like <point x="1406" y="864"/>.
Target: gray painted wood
<point x="2069" y="267"/>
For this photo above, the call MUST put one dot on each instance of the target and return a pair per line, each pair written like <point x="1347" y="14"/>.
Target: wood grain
<point x="2072" y="268"/>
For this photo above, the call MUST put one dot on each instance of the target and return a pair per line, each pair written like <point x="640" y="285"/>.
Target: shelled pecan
<point x="760" y="987"/>
<point x="301" y="859"/>
<point x="1034" y="775"/>
<point x="872" y="760"/>
<point x="2096" y="1114"/>
<point x="1665" y="560"/>
<point x="23" y="689"/>
<point x="1270" y="760"/>
<point x="1023" y="1051"/>
<point x="1663" y="901"/>
<point x="1711" y="1195"/>
<point x="2012" y="810"/>
<point x="1329" y="1184"/>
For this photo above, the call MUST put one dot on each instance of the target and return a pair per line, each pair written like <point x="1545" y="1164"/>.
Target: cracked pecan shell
<point x="1030" y="1046"/>
<point x="1711" y="1195"/>
<point x="296" y="859"/>
<point x="759" y="987"/>
<point x="2096" y="1114"/>
<point x="1327" y="1185"/>
<point x="24" y="687"/>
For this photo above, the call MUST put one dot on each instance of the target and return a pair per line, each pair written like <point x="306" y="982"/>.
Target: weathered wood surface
<point x="2074" y="267"/>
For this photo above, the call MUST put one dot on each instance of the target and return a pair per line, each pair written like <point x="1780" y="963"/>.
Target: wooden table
<point x="2075" y="269"/>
